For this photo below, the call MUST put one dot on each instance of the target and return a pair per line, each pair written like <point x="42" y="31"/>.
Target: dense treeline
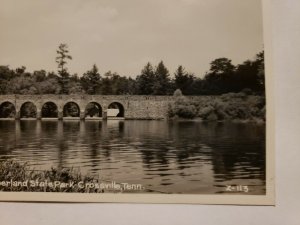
<point x="223" y="77"/>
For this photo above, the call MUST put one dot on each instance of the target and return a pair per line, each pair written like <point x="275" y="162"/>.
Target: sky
<point x="122" y="36"/>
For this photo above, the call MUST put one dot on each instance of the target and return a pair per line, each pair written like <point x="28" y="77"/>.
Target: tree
<point x="145" y="81"/>
<point x="39" y="75"/>
<point x="91" y="81"/>
<point x="260" y="60"/>
<point x="61" y="59"/>
<point x="23" y="85"/>
<point x="106" y="86"/>
<point x="250" y="74"/>
<point x="219" y="79"/>
<point x="20" y="70"/>
<point x="221" y="66"/>
<point x="162" y="84"/>
<point x="119" y="85"/>
<point x="247" y="75"/>
<point x="74" y="85"/>
<point x="184" y="81"/>
<point x="6" y="73"/>
<point x="5" y="76"/>
<point x="49" y="86"/>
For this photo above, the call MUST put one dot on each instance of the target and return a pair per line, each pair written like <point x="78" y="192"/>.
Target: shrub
<point x="228" y="106"/>
<point x="212" y="117"/>
<point x="177" y="93"/>
<point x="205" y="112"/>
<point x="186" y="111"/>
<point x="11" y="170"/>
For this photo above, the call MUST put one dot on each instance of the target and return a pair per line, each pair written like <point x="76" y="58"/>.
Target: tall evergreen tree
<point x="61" y="59"/>
<point x="184" y="80"/>
<point x="145" y="81"/>
<point x="162" y="85"/>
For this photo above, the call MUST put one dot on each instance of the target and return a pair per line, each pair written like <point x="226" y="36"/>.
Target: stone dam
<point x="129" y="106"/>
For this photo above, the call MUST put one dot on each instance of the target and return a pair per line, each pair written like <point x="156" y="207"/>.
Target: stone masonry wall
<point x="135" y="106"/>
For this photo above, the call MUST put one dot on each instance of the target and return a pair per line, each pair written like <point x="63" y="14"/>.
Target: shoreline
<point x="173" y="119"/>
<point x="198" y="119"/>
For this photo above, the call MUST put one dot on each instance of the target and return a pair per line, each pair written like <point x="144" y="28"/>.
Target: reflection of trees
<point x="232" y="149"/>
<point x="8" y="137"/>
<point x="167" y="142"/>
<point x="154" y="156"/>
<point x="151" y="142"/>
<point x="237" y="150"/>
<point x="27" y="127"/>
<point x="91" y="139"/>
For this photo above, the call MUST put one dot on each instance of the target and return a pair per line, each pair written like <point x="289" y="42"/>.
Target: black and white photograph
<point x="154" y="101"/>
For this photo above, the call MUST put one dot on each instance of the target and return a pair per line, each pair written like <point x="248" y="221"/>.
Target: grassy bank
<point x="15" y="176"/>
<point x="232" y="106"/>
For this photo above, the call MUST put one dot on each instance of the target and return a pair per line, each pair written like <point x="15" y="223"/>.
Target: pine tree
<point x="183" y="80"/>
<point x="162" y="85"/>
<point x="146" y="80"/>
<point x="61" y="60"/>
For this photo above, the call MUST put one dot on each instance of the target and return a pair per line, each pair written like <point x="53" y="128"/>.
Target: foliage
<point x="162" y="83"/>
<point x="184" y="80"/>
<point x="182" y="107"/>
<point x="231" y="106"/>
<point x="177" y="93"/>
<point x="61" y="60"/>
<point x="223" y="77"/>
<point x="15" y="171"/>
<point x="91" y="81"/>
<point x="146" y="80"/>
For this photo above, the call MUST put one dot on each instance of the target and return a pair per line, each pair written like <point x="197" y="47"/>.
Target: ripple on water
<point x="184" y="157"/>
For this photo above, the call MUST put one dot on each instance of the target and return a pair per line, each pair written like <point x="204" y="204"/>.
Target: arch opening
<point x="49" y="110"/>
<point x="71" y="109"/>
<point x="93" y="109"/>
<point x="28" y="110"/>
<point x="115" y="109"/>
<point x="7" y="110"/>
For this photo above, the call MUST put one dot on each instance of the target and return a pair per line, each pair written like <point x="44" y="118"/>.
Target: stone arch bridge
<point x="132" y="106"/>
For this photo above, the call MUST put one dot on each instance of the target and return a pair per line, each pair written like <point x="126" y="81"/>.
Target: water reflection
<point x="168" y="157"/>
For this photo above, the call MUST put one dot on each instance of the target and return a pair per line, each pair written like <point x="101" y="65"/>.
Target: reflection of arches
<point x="71" y="109"/>
<point x="115" y="109"/>
<point x="93" y="109"/>
<point x="28" y="110"/>
<point x="49" y="110"/>
<point x="7" y="110"/>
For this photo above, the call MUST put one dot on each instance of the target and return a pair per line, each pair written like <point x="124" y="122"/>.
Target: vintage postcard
<point x="136" y="101"/>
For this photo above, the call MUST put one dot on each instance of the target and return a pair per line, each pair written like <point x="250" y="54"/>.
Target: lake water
<point x="163" y="156"/>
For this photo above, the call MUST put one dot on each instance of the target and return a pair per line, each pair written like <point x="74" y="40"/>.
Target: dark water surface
<point x="168" y="157"/>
